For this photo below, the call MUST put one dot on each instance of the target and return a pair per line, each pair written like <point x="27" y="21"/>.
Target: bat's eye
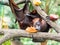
<point x="27" y="14"/>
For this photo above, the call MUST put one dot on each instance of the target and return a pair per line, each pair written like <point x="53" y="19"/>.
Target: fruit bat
<point x="30" y="21"/>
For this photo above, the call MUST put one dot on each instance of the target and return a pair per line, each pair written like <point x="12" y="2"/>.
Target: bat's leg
<point x="44" y="43"/>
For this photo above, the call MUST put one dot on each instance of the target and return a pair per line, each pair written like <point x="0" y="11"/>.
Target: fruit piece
<point x="53" y="17"/>
<point x="31" y="30"/>
<point x="36" y="2"/>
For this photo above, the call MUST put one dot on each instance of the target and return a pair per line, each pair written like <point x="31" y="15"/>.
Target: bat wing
<point x="16" y="10"/>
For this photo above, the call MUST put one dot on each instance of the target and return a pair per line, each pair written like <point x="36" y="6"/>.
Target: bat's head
<point x="37" y="23"/>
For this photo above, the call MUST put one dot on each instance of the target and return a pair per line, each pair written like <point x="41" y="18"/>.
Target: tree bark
<point x="10" y="33"/>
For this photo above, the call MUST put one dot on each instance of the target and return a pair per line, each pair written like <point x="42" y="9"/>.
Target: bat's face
<point x="37" y="24"/>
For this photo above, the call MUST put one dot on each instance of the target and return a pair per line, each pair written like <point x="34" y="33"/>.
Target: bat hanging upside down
<point x="38" y="24"/>
<point x="30" y="21"/>
<point x="34" y="23"/>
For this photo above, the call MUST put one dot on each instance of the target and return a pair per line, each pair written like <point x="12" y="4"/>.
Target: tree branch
<point x="44" y="16"/>
<point x="4" y="38"/>
<point x="10" y="33"/>
<point x="7" y="4"/>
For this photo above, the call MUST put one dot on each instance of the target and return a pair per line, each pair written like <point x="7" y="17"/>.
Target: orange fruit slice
<point x="31" y="30"/>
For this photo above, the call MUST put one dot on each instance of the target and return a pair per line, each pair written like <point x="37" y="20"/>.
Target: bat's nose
<point x="38" y="28"/>
<point x="37" y="25"/>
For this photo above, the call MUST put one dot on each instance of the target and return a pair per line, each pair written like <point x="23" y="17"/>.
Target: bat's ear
<point x="26" y="7"/>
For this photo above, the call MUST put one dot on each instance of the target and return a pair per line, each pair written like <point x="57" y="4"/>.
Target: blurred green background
<point x="9" y="18"/>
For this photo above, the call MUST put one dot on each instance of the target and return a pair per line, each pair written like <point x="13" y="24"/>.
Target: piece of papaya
<point x="31" y="30"/>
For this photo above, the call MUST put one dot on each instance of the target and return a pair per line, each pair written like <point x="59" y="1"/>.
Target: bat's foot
<point x="31" y="30"/>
